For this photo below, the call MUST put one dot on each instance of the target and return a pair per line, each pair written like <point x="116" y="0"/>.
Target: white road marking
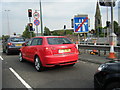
<point x="1" y="58"/>
<point x="23" y="82"/>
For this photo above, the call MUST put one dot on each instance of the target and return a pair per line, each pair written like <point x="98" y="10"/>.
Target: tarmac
<point x="87" y="57"/>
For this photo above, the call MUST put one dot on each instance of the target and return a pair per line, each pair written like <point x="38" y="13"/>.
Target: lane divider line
<point x="22" y="81"/>
<point x="1" y="58"/>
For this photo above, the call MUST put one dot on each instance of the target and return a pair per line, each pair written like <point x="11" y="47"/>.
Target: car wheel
<point x="21" y="57"/>
<point x="113" y="86"/>
<point x="38" y="65"/>
<point x="71" y="64"/>
<point x="7" y="51"/>
<point x="3" y="50"/>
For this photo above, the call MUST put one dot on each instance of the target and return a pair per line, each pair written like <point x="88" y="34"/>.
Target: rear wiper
<point x="66" y="43"/>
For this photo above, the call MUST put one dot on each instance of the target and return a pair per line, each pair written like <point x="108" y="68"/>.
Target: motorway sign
<point x="36" y="15"/>
<point x="36" y="22"/>
<point x="81" y="24"/>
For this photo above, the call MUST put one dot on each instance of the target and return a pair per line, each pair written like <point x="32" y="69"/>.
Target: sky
<point x="55" y="13"/>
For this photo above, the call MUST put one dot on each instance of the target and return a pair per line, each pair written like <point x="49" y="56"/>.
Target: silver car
<point x="12" y="44"/>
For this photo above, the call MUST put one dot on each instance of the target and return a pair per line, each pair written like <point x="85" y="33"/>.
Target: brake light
<point x="9" y="44"/>
<point x="48" y="51"/>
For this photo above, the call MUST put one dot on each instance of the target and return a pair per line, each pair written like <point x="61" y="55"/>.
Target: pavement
<point x="87" y="57"/>
<point x="93" y="58"/>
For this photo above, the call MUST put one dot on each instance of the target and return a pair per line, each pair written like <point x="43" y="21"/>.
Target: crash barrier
<point x="100" y="48"/>
<point x="92" y="43"/>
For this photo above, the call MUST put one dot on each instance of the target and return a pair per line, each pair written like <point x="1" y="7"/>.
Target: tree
<point x="27" y="34"/>
<point x="98" y="32"/>
<point x="46" y="31"/>
<point x="5" y="37"/>
<point x="116" y="28"/>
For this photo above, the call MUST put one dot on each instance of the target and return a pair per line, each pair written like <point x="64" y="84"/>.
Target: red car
<point x="48" y="51"/>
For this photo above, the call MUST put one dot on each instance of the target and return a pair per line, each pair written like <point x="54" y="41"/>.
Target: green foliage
<point x="46" y="31"/>
<point x="27" y="34"/>
<point x="102" y="35"/>
<point x="116" y="28"/>
<point x="62" y="32"/>
<point x="5" y="37"/>
<point x="98" y="31"/>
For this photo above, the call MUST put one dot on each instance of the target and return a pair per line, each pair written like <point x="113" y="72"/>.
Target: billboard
<point x="81" y="24"/>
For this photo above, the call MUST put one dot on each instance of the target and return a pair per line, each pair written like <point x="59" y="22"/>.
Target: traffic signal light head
<point x="72" y="23"/>
<point x="64" y="26"/>
<point x="107" y="23"/>
<point x="29" y="12"/>
<point x="107" y="2"/>
<point x="30" y="27"/>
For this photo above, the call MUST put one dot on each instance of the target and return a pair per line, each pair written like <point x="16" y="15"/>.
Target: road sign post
<point x="36" y="22"/>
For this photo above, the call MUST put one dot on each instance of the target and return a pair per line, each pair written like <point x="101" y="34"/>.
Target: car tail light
<point x="48" y="51"/>
<point x="10" y="44"/>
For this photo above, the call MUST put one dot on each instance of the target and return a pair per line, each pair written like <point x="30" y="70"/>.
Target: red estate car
<point x="48" y="51"/>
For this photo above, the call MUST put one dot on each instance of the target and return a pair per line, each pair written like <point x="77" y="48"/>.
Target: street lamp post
<point x="8" y="21"/>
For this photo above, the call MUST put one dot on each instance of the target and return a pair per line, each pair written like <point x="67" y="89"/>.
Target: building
<point x="98" y="22"/>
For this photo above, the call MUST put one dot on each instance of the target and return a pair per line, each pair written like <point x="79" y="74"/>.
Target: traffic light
<point x="72" y="23"/>
<point x="64" y="26"/>
<point x="29" y="12"/>
<point x="30" y="27"/>
<point x="107" y="23"/>
<point x="106" y="2"/>
<point x="14" y="33"/>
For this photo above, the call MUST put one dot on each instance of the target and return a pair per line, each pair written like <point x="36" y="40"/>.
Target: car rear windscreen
<point x="17" y="39"/>
<point x="55" y="41"/>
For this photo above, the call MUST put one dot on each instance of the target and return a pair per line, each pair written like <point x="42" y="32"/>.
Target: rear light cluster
<point x="48" y="51"/>
<point x="10" y="44"/>
<point x="51" y="50"/>
<point x="74" y="49"/>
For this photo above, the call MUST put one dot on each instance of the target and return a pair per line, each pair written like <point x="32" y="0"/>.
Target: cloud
<point x="56" y="13"/>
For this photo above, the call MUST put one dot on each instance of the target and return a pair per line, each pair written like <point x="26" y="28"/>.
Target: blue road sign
<point x="36" y="22"/>
<point x="81" y="24"/>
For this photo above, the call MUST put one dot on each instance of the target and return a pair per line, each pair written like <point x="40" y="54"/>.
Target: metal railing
<point x="99" y="48"/>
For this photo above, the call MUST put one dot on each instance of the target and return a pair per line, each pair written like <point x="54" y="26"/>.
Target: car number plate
<point x="64" y="50"/>
<point x="18" y="45"/>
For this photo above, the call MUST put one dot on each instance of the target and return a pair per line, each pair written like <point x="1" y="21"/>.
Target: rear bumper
<point x="11" y="49"/>
<point x="54" y="60"/>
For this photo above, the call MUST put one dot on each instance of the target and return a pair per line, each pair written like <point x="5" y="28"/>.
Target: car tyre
<point x="21" y="59"/>
<point x="3" y="50"/>
<point x="71" y="64"/>
<point x="7" y="51"/>
<point x="38" y="64"/>
<point x="113" y="86"/>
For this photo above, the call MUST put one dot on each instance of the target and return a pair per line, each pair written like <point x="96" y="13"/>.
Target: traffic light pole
<point x="113" y="36"/>
<point x="41" y="19"/>
<point x="112" y="22"/>
<point x="29" y="19"/>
